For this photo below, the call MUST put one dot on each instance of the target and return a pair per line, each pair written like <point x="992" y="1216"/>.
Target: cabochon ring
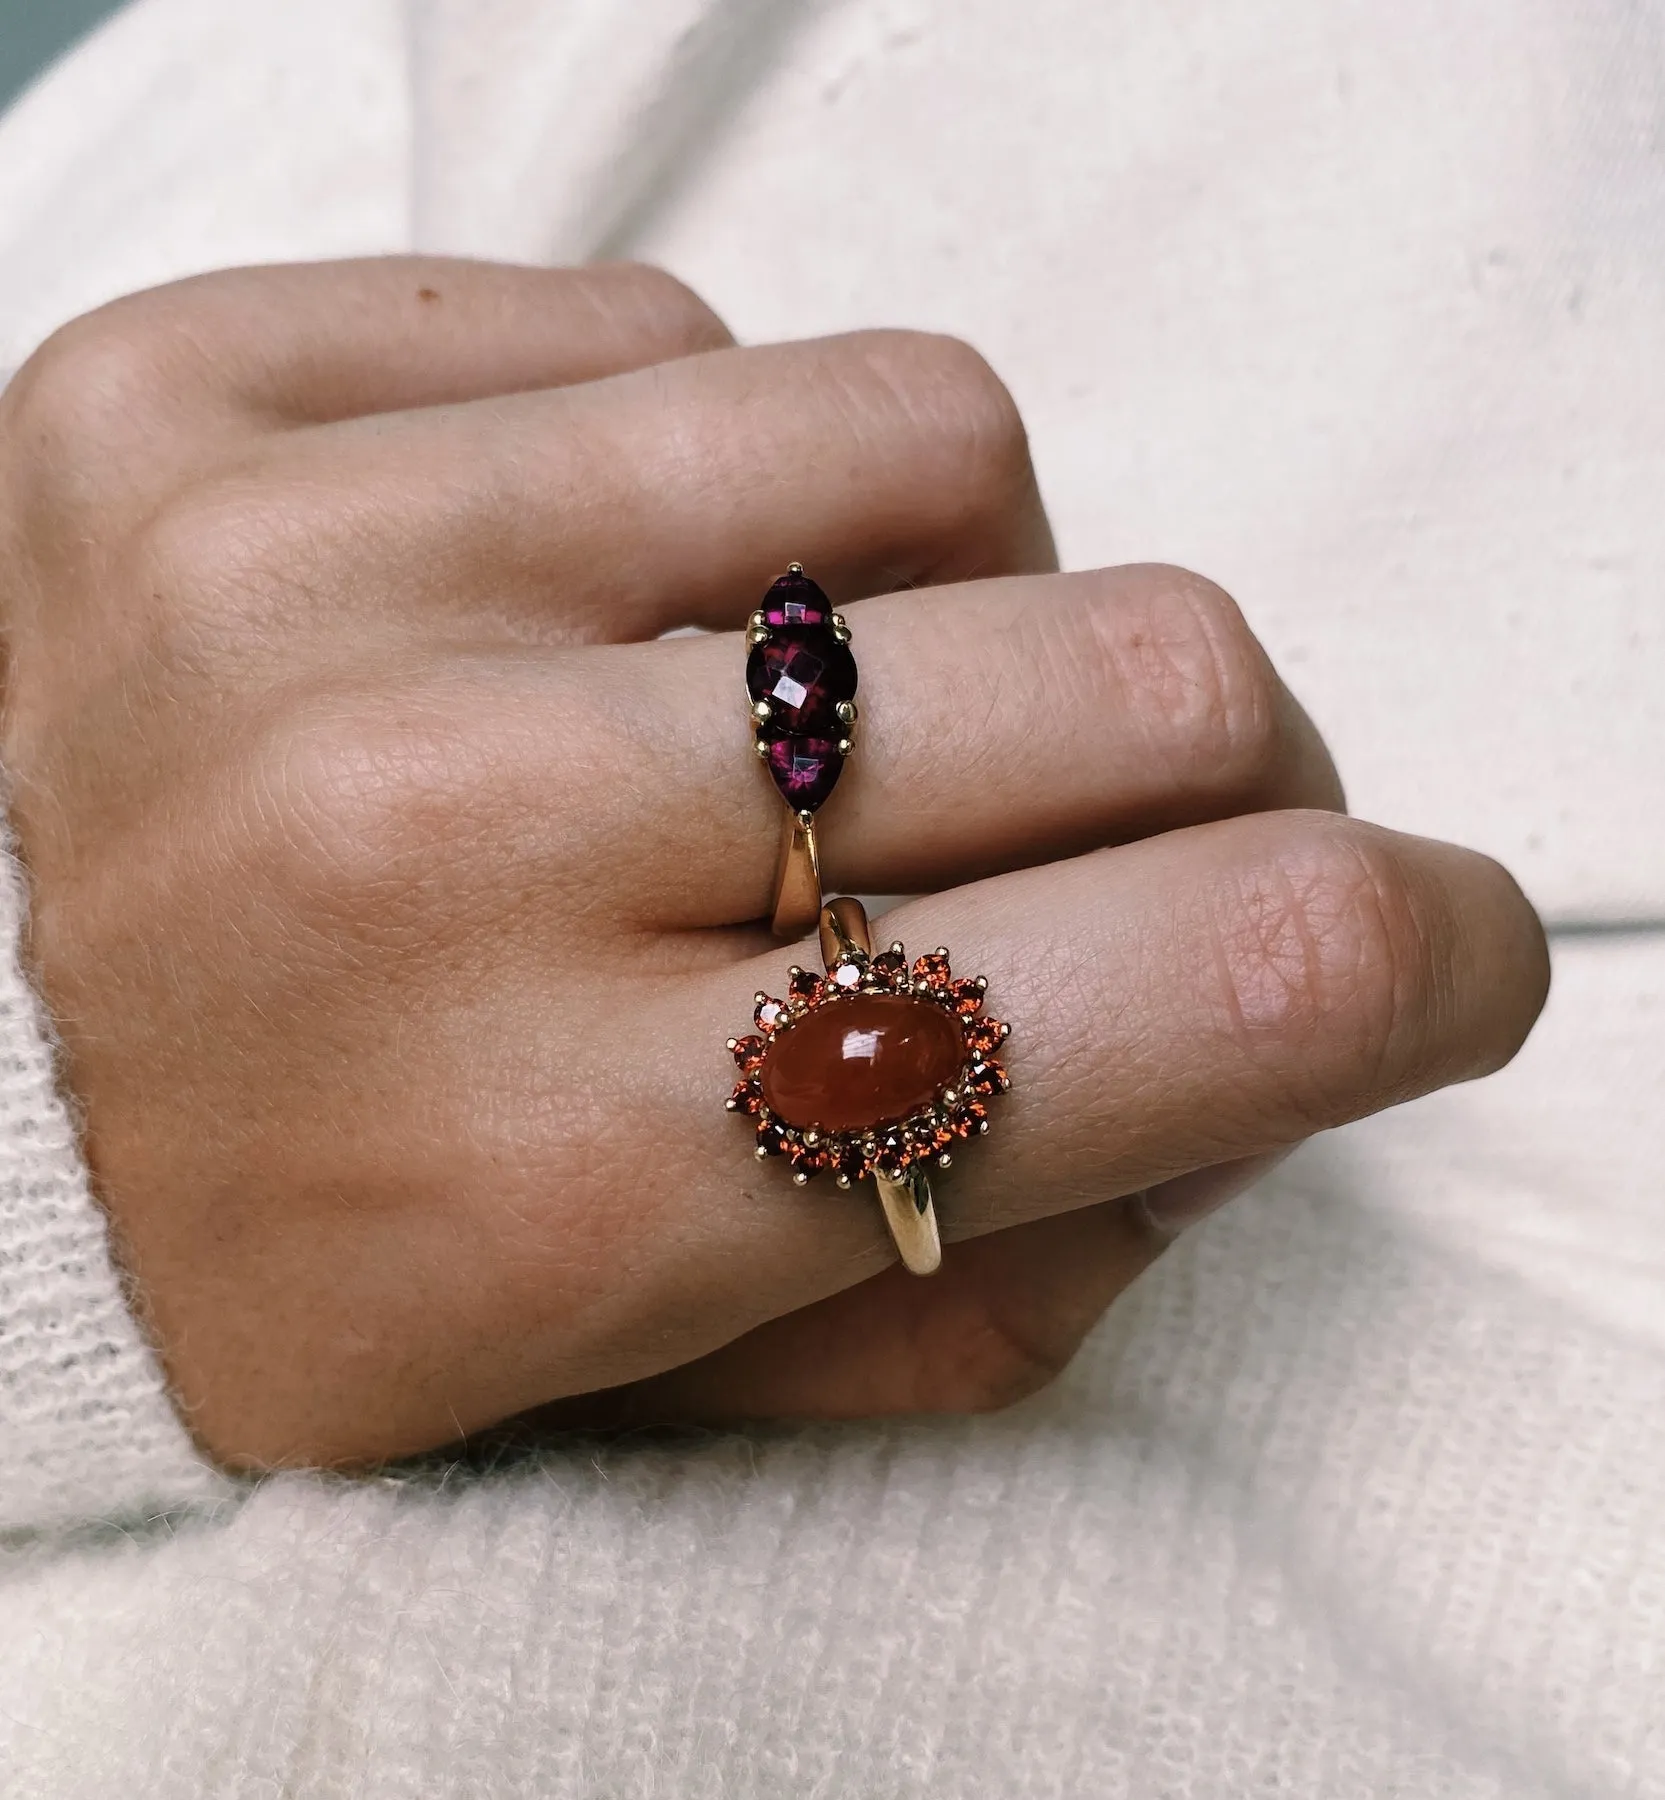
<point x="801" y="679"/>
<point x="878" y="1066"/>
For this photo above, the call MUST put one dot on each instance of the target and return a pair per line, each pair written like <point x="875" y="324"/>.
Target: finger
<point x="670" y="496"/>
<point x="1000" y="1319"/>
<point x="1187" y="1001"/>
<point x="1002" y="723"/>
<point x="1210" y="994"/>
<point x="178" y="370"/>
<point x="1004" y="1316"/>
<point x="1213" y="994"/>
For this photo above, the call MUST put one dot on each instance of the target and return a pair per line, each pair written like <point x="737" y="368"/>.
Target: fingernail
<point x="1172" y="1205"/>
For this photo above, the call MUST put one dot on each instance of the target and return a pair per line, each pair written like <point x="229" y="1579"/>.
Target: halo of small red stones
<point x="960" y="1110"/>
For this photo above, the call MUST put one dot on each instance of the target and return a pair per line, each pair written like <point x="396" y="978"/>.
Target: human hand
<point x="391" y="881"/>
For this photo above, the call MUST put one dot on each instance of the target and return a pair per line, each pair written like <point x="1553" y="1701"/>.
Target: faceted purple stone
<point x="805" y="769"/>
<point x="795" y="600"/>
<point x="803" y="674"/>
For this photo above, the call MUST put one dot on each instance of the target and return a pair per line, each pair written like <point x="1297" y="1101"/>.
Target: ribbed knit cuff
<point x="86" y="1426"/>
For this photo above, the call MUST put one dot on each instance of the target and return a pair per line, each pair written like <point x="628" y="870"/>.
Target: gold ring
<point x="873" y="1068"/>
<point x="801" y="682"/>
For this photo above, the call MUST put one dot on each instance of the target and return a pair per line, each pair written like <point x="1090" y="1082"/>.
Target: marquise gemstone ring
<point x="801" y="681"/>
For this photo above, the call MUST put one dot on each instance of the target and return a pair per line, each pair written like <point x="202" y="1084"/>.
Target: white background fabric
<point x="1354" y="308"/>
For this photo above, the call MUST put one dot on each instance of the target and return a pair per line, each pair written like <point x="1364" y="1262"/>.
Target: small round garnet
<point x="859" y="1063"/>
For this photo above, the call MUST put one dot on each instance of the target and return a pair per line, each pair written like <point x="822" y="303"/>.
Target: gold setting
<point x="897" y="1155"/>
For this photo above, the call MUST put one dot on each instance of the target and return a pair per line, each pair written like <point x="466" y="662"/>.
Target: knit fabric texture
<point x="88" y="1429"/>
<point x="1411" y="1550"/>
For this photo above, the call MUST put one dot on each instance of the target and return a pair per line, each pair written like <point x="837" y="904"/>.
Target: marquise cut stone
<point x="805" y="769"/>
<point x="796" y="600"/>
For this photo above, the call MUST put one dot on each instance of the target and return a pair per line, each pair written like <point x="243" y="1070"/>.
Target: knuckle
<point x="952" y="398"/>
<point x="220" y="550"/>
<point x="667" y="311"/>
<point x="1196" y="679"/>
<point x="352" y="798"/>
<point x="90" y="379"/>
<point x="1336" y="961"/>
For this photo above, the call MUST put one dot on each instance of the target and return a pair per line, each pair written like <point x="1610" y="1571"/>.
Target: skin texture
<point x="395" y="885"/>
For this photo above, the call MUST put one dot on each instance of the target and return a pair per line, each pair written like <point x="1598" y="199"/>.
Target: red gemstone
<point x="805" y="769"/>
<point x="795" y="600"/>
<point x="984" y="1035"/>
<point x="891" y="967"/>
<point x="986" y="1078"/>
<point x="931" y="968"/>
<point x="867" y="1061"/>
<point x="969" y="1117"/>
<point x="803" y="675"/>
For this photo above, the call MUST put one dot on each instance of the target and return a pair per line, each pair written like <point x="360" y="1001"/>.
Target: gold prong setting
<point x="959" y="1111"/>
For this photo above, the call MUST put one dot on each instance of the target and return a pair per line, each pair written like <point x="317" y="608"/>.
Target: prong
<point x="896" y="947"/>
<point x="758" y="634"/>
<point x="1005" y="1030"/>
<point x="732" y="1104"/>
<point x="759" y="997"/>
<point x="812" y="1138"/>
<point x="950" y="1096"/>
<point x="846" y="710"/>
<point x="761" y="1153"/>
<point x="945" y="1161"/>
<point x="794" y="970"/>
<point x="763" y="712"/>
<point x="757" y="622"/>
<point x="982" y="1128"/>
<point x="800" y="1178"/>
<point x="794" y="568"/>
<point x="842" y="1181"/>
<point x="806" y="818"/>
<point x="761" y="747"/>
<point x="981" y="983"/>
<point x="845" y="746"/>
<point x="942" y="950"/>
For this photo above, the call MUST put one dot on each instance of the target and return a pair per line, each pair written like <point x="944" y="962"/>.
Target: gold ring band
<point x="797" y="877"/>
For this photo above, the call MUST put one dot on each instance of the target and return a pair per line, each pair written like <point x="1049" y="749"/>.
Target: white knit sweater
<point x="1358" y="1494"/>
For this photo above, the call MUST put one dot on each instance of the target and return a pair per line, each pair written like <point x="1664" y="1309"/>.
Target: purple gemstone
<point x="805" y="770"/>
<point x="803" y="675"/>
<point x="795" y="600"/>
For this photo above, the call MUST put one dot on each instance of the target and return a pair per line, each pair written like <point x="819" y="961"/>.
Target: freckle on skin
<point x="428" y="294"/>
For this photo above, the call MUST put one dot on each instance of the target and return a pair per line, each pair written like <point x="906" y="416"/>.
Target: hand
<point x="391" y="880"/>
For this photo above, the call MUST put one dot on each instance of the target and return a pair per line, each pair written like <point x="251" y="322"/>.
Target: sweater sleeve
<point x="87" y="1429"/>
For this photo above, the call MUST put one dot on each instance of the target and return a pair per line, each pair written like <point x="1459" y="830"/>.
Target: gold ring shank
<point x="907" y="1203"/>
<point x="797" y="877"/>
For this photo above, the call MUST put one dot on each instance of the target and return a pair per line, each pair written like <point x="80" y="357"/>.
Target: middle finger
<point x="622" y="508"/>
<point x="1002" y="724"/>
